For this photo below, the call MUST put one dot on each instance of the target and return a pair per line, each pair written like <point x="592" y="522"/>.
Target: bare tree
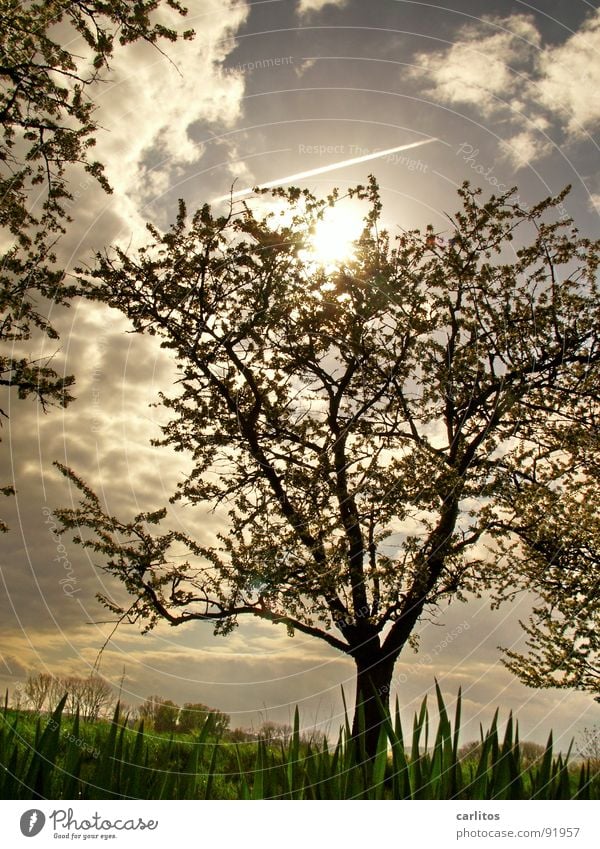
<point x="37" y="689"/>
<point x="274" y="732"/>
<point x="96" y="697"/>
<point x="589" y="746"/>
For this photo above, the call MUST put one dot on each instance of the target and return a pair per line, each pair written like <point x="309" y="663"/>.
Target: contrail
<point x="302" y="175"/>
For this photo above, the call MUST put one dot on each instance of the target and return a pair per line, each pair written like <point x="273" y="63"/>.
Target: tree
<point x="161" y="713"/>
<point x="88" y="696"/>
<point x="274" y="732"/>
<point x="166" y="716"/>
<point x="18" y="697"/>
<point x="559" y="533"/>
<point x="56" y="692"/>
<point x="193" y="716"/>
<point x="96" y="697"/>
<point x="241" y="735"/>
<point x="44" y="690"/>
<point x="589" y="746"/>
<point x="149" y="707"/>
<point x="37" y="689"/>
<point x="48" y="126"/>
<point x="74" y="686"/>
<point x="368" y="425"/>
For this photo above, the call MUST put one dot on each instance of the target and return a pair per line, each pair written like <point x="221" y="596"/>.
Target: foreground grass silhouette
<point x="58" y="757"/>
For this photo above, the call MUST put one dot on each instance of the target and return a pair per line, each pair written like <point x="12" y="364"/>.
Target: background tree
<point x="37" y="689"/>
<point x="56" y="691"/>
<point x="96" y="697"/>
<point x="589" y="747"/>
<point x="47" y="127"/>
<point x="166" y="716"/>
<point x="241" y="735"/>
<point x="368" y="425"/>
<point x="148" y="708"/>
<point x="161" y="713"/>
<point x="193" y="716"/>
<point x="19" y="697"/>
<point x="90" y="696"/>
<point x="74" y="686"/>
<point x="44" y="690"/>
<point x="274" y="732"/>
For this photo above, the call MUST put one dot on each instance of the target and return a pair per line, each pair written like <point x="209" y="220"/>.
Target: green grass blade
<point x="258" y="788"/>
<point x="39" y="775"/>
<point x="211" y="772"/>
<point x="379" y="766"/>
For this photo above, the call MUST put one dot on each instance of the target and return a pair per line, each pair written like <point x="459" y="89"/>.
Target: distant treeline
<point x="93" y="697"/>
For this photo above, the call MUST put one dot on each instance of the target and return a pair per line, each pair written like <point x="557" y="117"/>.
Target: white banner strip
<point x="296" y="825"/>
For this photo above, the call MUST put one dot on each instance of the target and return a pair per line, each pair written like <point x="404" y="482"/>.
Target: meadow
<point x="58" y="756"/>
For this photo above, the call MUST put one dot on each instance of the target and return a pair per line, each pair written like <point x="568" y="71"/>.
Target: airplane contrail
<point x="302" y="175"/>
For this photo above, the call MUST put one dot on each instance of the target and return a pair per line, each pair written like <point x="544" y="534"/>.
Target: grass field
<point x="59" y="757"/>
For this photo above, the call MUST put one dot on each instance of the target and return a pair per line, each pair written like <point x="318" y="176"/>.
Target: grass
<point x="59" y="757"/>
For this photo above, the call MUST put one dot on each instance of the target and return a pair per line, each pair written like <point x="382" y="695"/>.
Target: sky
<point x="267" y="89"/>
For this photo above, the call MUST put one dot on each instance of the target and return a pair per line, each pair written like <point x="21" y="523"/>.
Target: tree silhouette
<point x="559" y="533"/>
<point x="369" y="426"/>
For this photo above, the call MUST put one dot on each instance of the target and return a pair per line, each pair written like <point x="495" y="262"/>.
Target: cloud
<point x="147" y="110"/>
<point x="161" y="99"/>
<point x="47" y="584"/>
<point x="305" y="66"/>
<point x="145" y="113"/>
<point x="11" y="667"/>
<point x="501" y="67"/>
<point x="594" y="202"/>
<point x="525" y="147"/>
<point x="569" y="78"/>
<point x="306" y="7"/>
<point x="484" y="66"/>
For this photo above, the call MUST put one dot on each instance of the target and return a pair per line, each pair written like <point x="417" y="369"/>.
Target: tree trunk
<point x="373" y="682"/>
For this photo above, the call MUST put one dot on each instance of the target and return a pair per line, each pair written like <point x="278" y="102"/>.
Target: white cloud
<point x="570" y="77"/>
<point x="308" y="6"/>
<point x="305" y="66"/>
<point x="524" y="148"/>
<point x="594" y="202"/>
<point x="484" y="66"/>
<point x="146" y="112"/>
<point x="501" y="67"/>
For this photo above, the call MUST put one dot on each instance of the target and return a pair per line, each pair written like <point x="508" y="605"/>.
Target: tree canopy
<point x="560" y="535"/>
<point x="46" y="111"/>
<point x="383" y="431"/>
<point x="194" y="715"/>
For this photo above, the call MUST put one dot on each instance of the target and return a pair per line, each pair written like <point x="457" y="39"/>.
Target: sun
<point x="332" y="240"/>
